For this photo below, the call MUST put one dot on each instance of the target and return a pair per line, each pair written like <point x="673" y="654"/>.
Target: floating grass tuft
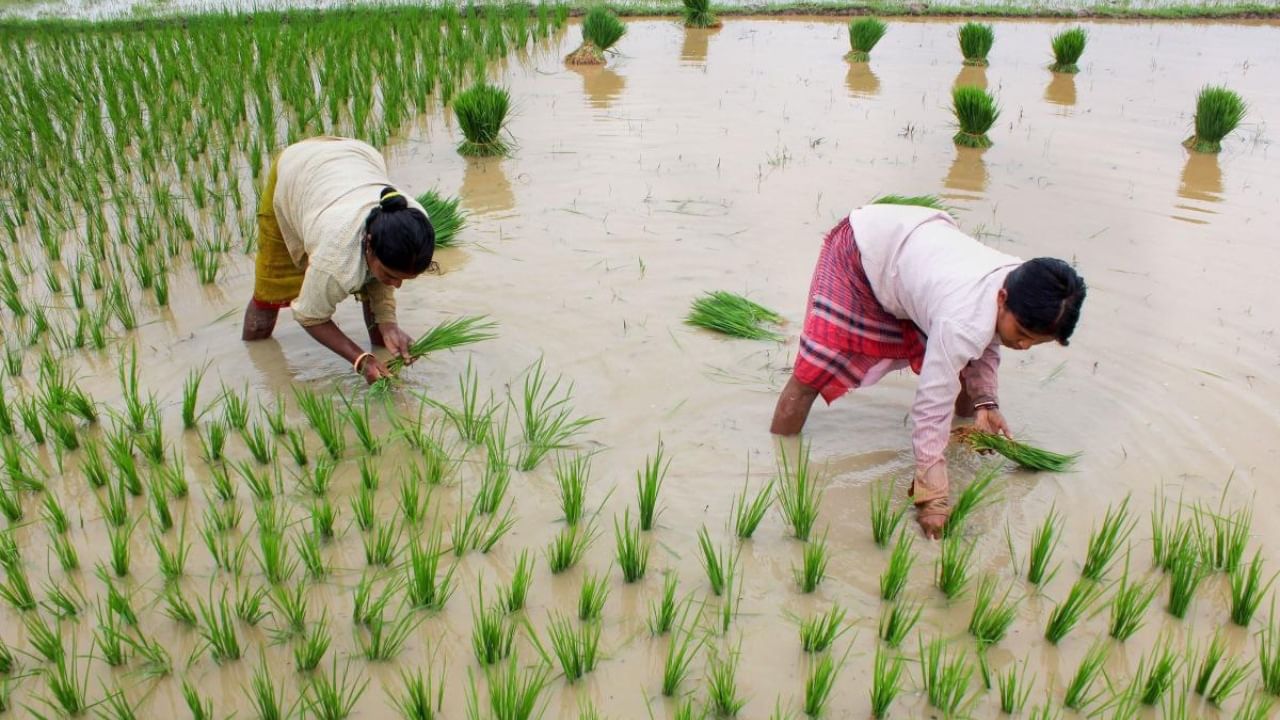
<point x="697" y="14"/>
<point x="1218" y="112"/>
<point x="864" y="33"/>
<point x="733" y="314"/>
<point x="1026" y="456"/>
<point x="976" y="40"/>
<point x="1068" y="46"/>
<point x="976" y="112"/>
<point x="601" y="30"/>
<point x="447" y="218"/>
<point x="481" y="111"/>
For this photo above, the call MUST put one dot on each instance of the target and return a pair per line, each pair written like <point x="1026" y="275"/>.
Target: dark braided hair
<point x="401" y="237"/>
<point x="1045" y="295"/>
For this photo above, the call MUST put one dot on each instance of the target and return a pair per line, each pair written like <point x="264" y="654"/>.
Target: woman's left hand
<point x="397" y="341"/>
<point x="989" y="420"/>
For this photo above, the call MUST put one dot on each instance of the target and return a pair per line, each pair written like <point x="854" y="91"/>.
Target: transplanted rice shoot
<point x="991" y="617"/>
<point x="886" y="681"/>
<point x="1068" y="613"/>
<point x="975" y="111"/>
<point x="1107" y="540"/>
<point x="1218" y="112"/>
<point x="1068" y="46"/>
<point x="1215" y="679"/>
<point x="864" y="33"/>
<point x="601" y="30"/>
<point x="697" y="14"/>
<point x="975" y="495"/>
<point x="1247" y="590"/>
<point x="447" y="219"/>
<point x="945" y="677"/>
<point x="894" y="577"/>
<point x="799" y="496"/>
<point x="734" y="315"/>
<point x="818" y="632"/>
<point x="897" y="620"/>
<point x="1078" y="695"/>
<point x="1014" y="687"/>
<point x="884" y="519"/>
<point x="976" y="40"/>
<point x="482" y="114"/>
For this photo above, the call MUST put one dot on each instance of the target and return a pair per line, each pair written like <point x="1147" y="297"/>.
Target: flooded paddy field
<point x="693" y="161"/>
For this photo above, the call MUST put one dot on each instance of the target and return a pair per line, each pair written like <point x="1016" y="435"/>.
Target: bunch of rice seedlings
<point x="1247" y="590"/>
<point x="323" y="415"/>
<point x="976" y="112"/>
<point x="592" y="596"/>
<point x="633" y="552"/>
<point x="382" y="546"/>
<point x="975" y="495"/>
<point x="1068" y="46"/>
<point x="357" y="416"/>
<point x="951" y="572"/>
<point x="799" y="497"/>
<point x="512" y="596"/>
<point x="421" y="699"/>
<point x="991" y="618"/>
<point x="1156" y="672"/>
<point x="447" y="218"/>
<point x="386" y="638"/>
<point x="722" y="685"/>
<point x="748" y="512"/>
<point x="1026" y="456"/>
<point x="330" y="696"/>
<point x="1257" y="706"/>
<point x="266" y="699"/>
<point x="492" y="633"/>
<point x="448" y="335"/>
<point x="818" y="632"/>
<point x="1129" y="605"/>
<point x="1068" y="613"/>
<point x="976" y="40"/>
<point x="514" y="693"/>
<point x="576" y="649"/>
<point x="719" y="565"/>
<point x="497" y="472"/>
<point x="735" y="315"/>
<point x="1078" y="694"/>
<point x="894" y="577"/>
<point x="884" y="519"/>
<point x="886" y="682"/>
<point x="682" y="650"/>
<point x="864" y="33"/>
<point x="648" y="484"/>
<point x="813" y="566"/>
<point x="1225" y="537"/>
<point x="1218" y="112"/>
<point x="697" y="14"/>
<point x="571" y="479"/>
<point x="248" y="605"/>
<point x="1014" y="688"/>
<point x="601" y="30"/>
<point x="1185" y="576"/>
<point x="945" y="677"/>
<point x="1105" y="541"/>
<point x="568" y="547"/>
<point x="819" y="683"/>
<point x="1216" y="680"/>
<point x="471" y="419"/>
<point x="218" y="628"/>
<point x="547" y="421"/>
<point x="1043" y="542"/>
<point x="897" y="620"/>
<point x="1269" y="654"/>
<point x="481" y="111"/>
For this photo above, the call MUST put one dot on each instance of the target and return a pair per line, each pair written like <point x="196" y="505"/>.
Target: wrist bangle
<point x="359" y="359"/>
<point x="989" y="405"/>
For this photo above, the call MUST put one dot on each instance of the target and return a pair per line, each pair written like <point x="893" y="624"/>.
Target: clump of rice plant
<point x="884" y="519"/>
<point x="1247" y="590"/>
<point x="818" y="632"/>
<point x="421" y="699"/>
<point x="1068" y="613"/>
<point x="648" y="484"/>
<point x="945" y="677"/>
<point x="813" y="566"/>
<point x="722" y="685"/>
<point x="719" y="565"/>
<point x="1014" y="688"/>
<point x="748" y="512"/>
<point x="951" y="572"/>
<point x="482" y="115"/>
<point x="886" y="682"/>
<point x="1269" y="654"/>
<point x="864" y="33"/>
<point x="568" y="547"/>
<point x="633" y="552"/>
<point x="662" y="612"/>
<point x="547" y="420"/>
<point x="1043" y="542"/>
<point x="1106" y="541"/>
<point x="819" y="683"/>
<point x="1257" y="706"/>
<point x="1068" y="46"/>
<point x="449" y="334"/>
<point x="575" y="648"/>
<point x="975" y="495"/>
<point x="571" y="478"/>
<point x="330" y="696"/>
<point x="732" y="314"/>
<point x="1026" y="456"/>
<point x="894" y="577"/>
<point x="1129" y="604"/>
<point x="492" y="633"/>
<point x="592" y="596"/>
<point x="447" y="218"/>
<point x="601" y="30"/>
<point x="976" y="112"/>
<point x="976" y="40"/>
<point x="1155" y="674"/>
<point x="697" y="14"/>
<point x="1078" y="696"/>
<point x="218" y="628"/>
<point x="682" y="650"/>
<point x="1218" y="112"/>
<point x="513" y="693"/>
<point x="897" y="620"/>
<point x="991" y="617"/>
<point x="799" y="496"/>
<point x="1216" y="680"/>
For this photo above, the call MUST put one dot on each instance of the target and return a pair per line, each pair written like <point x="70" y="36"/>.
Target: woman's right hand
<point x="373" y="370"/>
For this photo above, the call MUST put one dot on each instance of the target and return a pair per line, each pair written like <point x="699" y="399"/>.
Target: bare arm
<point x="331" y="336"/>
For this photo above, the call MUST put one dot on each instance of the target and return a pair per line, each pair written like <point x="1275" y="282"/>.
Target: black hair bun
<point x="391" y="200"/>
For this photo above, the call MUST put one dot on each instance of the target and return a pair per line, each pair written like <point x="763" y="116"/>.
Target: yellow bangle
<point x="359" y="359"/>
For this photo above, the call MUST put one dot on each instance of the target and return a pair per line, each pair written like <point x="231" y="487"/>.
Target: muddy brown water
<point x="716" y="159"/>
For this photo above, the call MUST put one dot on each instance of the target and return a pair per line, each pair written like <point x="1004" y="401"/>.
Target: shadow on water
<point x="971" y="75"/>
<point x="485" y="187"/>
<point x="967" y="176"/>
<point x="694" y="48"/>
<point x="1061" y="89"/>
<point x="861" y="80"/>
<point x="600" y="84"/>
<point x="1201" y="182"/>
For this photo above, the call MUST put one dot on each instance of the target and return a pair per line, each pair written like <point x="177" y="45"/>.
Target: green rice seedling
<point x="945" y="677"/>
<point x="386" y="638"/>
<point x="319" y="479"/>
<point x="54" y="515"/>
<point x="65" y="550"/>
<point x="1044" y="541"/>
<point x="223" y="517"/>
<point x="814" y="565"/>
<point x="492" y="633"/>
<point x="109" y="639"/>
<point x="67" y="694"/>
<point x="648" y="484"/>
<point x="1024" y="455"/>
<point x="592" y="596"/>
<point x="1269" y="654"/>
<point x="273" y="557"/>
<point x="1185" y="577"/>
<point x="46" y="641"/>
<point x="382" y="545"/>
<point x="248" y="604"/>
<point x="330" y="696"/>
<point x="235" y="409"/>
<point x="323" y="518"/>
<point x="1257" y="706"/>
<point x="512" y="596"/>
<point x="413" y="504"/>
<point x="200" y="708"/>
<point x="497" y="473"/>
<point x="819" y="683"/>
<point x="748" y="512"/>
<point x="177" y="608"/>
<point x="63" y="430"/>
<point x="1129" y="605"/>
<point x="173" y="476"/>
<point x="1014" y="688"/>
<point x="116" y="706"/>
<point x="161" y="515"/>
<point x="61" y="602"/>
<point x="357" y="417"/>
<point x="799" y="496"/>
<point x="1156" y="673"/>
<point x="1218" y="112"/>
<point x="975" y="495"/>
<point x="1247" y="590"/>
<point x="307" y="545"/>
<point x="547" y="421"/>
<point x="886" y="682"/>
<point x="218" y="628"/>
<point x="190" y="396"/>
<point x="471" y="329"/>
<point x="719" y="565"/>
<point x="311" y="648"/>
<point x="426" y="586"/>
<point x="663" y="612"/>
<point x="114" y="505"/>
<point x="818" y="632"/>
<point x="731" y="602"/>
<point x="1217" y="684"/>
<point x="885" y="521"/>
<point x="259" y="443"/>
<point x="633" y="552"/>
<point x="363" y="508"/>
<point x="576" y="649"/>
<point x="447" y="218"/>
<point x="1105" y="541"/>
<point x="121" y="551"/>
<point x="290" y="607"/>
<point x="1068" y="46"/>
<point x="572" y="475"/>
<point x="976" y="112"/>
<point x="1223" y="537"/>
<point x="323" y="416"/>
<point x="93" y="465"/>
<point x="154" y="661"/>
<point x="296" y="444"/>
<point x="1068" y="613"/>
<point x="214" y="441"/>
<point x="864" y="33"/>
<point x="7" y="662"/>
<point x="897" y="620"/>
<point x="601" y="30"/>
<point x="421" y="699"/>
<point x="514" y="693"/>
<point x="991" y="618"/>
<point x="951" y="573"/>
<point x="220" y="480"/>
<point x="262" y="486"/>
<point x="568" y="547"/>
<point x="118" y="601"/>
<point x="11" y="505"/>
<point x="29" y="414"/>
<point x="733" y="315"/>
<point x="472" y="419"/>
<point x="267" y="701"/>
<point x="976" y="40"/>
<point x="722" y="685"/>
<point x="1079" y="695"/>
<point x="481" y="111"/>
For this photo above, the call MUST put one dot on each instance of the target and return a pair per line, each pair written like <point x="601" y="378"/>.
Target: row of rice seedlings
<point x="734" y="315"/>
<point x="799" y="494"/>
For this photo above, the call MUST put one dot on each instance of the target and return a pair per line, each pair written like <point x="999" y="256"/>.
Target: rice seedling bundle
<point x="976" y="112"/>
<point x="864" y="33"/>
<point x="697" y="14"/>
<point x="1026" y="456"/>
<point x="448" y="335"/>
<point x="481" y="111"/>
<point x="1218" y="112"/>
<point x="1068" y="46"/>
<point x="927" y="201"/>
<point x="447" y="218"/>
<point x="601" y="30"/>
<point x="734" y="315"/>
<point x="976" y="40"/>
